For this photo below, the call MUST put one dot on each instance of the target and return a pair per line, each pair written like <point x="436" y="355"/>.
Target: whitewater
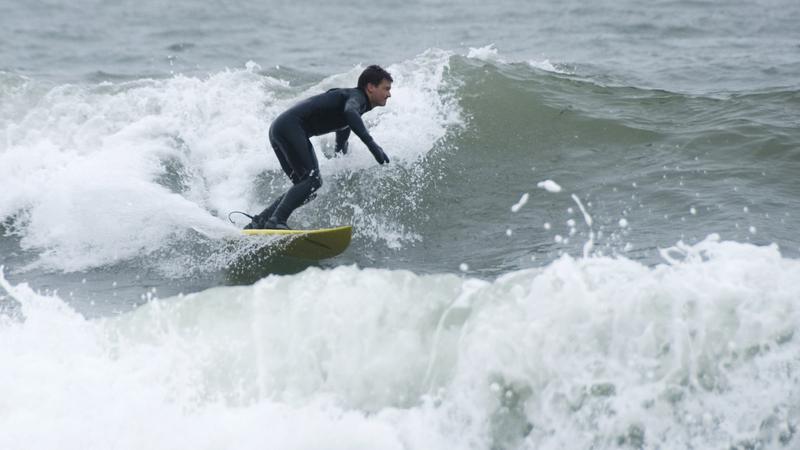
<point x="589" y="352"/>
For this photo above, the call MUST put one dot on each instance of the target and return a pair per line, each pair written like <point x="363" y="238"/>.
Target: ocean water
<point x="586" y="237"/>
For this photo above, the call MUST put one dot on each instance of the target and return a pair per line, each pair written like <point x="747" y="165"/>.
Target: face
<point x="379" y="94"/>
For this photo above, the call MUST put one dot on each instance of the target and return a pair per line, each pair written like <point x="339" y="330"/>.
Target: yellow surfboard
<point x="309" y="244"/>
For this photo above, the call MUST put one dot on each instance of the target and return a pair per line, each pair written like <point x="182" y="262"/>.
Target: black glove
<point x="378" y="153"/>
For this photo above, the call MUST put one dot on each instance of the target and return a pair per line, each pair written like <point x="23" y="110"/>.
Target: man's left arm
<point x="342" y="135"/>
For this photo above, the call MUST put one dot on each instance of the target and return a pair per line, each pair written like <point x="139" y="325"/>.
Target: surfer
<point x="337" y="110"/>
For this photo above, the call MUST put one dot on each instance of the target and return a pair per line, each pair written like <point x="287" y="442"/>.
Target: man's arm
<point x="341" y="140"/>
<point x="353" y="117"/>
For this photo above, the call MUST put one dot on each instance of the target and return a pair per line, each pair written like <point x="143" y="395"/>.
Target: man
<point x="337" y="110"/>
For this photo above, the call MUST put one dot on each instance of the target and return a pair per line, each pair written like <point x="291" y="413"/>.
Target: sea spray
<point x="583" y="352"/>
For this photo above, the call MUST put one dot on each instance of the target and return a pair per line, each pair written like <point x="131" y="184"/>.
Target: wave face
<point x="591" y="353"/>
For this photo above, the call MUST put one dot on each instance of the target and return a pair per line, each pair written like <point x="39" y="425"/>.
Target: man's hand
<point x="340" y="149"/>
<point x="379" y="154"/>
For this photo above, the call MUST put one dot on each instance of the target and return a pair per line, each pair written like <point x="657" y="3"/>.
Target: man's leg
<point x="299" y="153"/>
<point x="297" y="159"/>
<point x="259" y="220"/>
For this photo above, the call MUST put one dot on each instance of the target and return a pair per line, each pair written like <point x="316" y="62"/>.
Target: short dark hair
<point x="373" y="74"/>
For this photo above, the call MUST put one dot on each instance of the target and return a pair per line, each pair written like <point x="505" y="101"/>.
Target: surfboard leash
<point x="238" y="212"/>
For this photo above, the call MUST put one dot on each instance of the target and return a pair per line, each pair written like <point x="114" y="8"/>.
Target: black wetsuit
<point x="337" y="110"/>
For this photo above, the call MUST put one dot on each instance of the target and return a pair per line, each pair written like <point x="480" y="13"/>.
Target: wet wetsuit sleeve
<point x="352" y="115"/>
<point x="341" y="140"/>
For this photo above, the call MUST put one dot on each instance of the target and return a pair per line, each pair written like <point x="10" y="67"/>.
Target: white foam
<point x="488" y="53"/>
<point x="522" y="201"/>
<point x="543" y="65"/>
<point x="549" y="186"/>
<point x="581" y="353"/>
<point x="491" y="54"/>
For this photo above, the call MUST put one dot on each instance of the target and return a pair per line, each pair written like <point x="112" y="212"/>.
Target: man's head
<point x="377" y="84"/>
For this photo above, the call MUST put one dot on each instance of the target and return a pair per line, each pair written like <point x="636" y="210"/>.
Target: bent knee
<point x="313" y="179"/>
